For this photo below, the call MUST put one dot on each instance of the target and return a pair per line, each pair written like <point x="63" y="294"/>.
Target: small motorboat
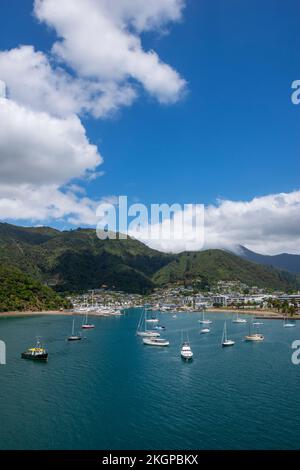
<point x="36" y="354"/>
<point x="205" y="330"/>
<point x="186" y="351"/>
<point x="159" y="327"/>
<point x="156" y="342"/>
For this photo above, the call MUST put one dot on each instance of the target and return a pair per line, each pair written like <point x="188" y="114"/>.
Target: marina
<point x="100" y="392"/>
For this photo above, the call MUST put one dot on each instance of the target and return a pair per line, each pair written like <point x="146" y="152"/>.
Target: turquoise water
<point x="112" y="392"/>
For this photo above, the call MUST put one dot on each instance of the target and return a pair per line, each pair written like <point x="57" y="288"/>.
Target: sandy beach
<point x="271" y="314"/>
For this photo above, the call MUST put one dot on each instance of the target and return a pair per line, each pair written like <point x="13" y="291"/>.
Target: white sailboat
<point x="204" y="321"/>
<point x="86" y="325"/>
<point x="288" y="324"/>
<point x="239" y="320"/>
<point x="156" y="341"/>
<point x="73" y="336"/>
<point x="225" y="340"/>
<point x="142" y="328"/>
<point x="152" y="319"/>
<point x="254" y="336"/>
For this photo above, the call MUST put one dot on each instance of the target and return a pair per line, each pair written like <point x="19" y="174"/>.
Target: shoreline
<point x="23" y="314"/>
<point x="271" y="314"/>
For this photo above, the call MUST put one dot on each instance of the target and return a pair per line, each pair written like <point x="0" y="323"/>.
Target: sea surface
<point x="110" y="391"/>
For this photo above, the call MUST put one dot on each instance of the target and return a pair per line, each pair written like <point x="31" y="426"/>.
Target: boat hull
<point x="157" y="343"/>
<point x="87" y="327"/>
<point x="228" y="343"/>
<point x="254" y="338"/>
<point x="74" y="338"/>
<point x="37" y="357"/>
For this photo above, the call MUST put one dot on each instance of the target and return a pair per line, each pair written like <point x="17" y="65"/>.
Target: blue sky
<point x="235" y="133"/>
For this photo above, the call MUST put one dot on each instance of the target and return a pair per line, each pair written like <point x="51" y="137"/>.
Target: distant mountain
<point x="215" y="265"/>
<point x="282" y="261"/>
<point x="76" y="260"/>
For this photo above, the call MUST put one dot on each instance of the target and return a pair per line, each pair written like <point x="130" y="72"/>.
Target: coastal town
<point x="225" y="295"/>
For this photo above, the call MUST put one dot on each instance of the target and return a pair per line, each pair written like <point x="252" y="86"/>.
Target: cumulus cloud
<point x="45" y="202"/>
<point x="268" y="225"/>
<point x="101" y="41"/>
<point x="38" y="148"/>
<point x="96" y="67"/>
<point x="44" y="87"/>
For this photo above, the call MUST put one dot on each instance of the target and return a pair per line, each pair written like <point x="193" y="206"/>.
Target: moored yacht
<point x="239" y="320"/>
<point x="156" y="341"/>
<point x="73" y="336"/>
<point x="86" y="325"/>
<point x="142" y="328"/>
<point x="205" y="330"/>
<point x="254" y="336"/>
<point x="186" y="351"/>
<point x="225" y="340"/>
<point x="204" y="321"/>
<point x="288" y="324"/>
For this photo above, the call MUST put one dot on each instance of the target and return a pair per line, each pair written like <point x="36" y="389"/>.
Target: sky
<point x="168" y="101"/>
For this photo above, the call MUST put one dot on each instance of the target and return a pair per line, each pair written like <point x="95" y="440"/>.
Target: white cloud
<point x="46" y="202"/>
<point x="43" y="144"/>
<point x="2" y="89"/>
<point x="100" y="40"/>
<point x="43" y="87"/>
<point x="268" y="225"/>
<point x="38" y="148"/>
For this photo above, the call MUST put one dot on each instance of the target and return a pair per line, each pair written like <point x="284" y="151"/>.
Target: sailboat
<point x="74" y="337"/>
<point x="186" y="351"/>
<point x="239" y="320"/>
<point x="254" y="336"/>
<point x="288" y="324"/>
<point x="153" y="319"/>
<point x="204" y="321"/>
<point x="225" y="340"/>
<point x="156" y="341"/>
<point x="142" y="328"/>
<point x="86" y="325"/>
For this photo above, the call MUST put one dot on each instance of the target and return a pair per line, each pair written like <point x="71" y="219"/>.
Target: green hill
<point x="77" y="260"/>
<point x="18" y="291"/>
<point x="216" y="265"/>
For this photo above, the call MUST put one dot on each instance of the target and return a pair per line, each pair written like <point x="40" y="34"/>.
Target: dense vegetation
<point x="214" y="265"/>
<point x="77" y="260"/>
<point x="18" y="291"/>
